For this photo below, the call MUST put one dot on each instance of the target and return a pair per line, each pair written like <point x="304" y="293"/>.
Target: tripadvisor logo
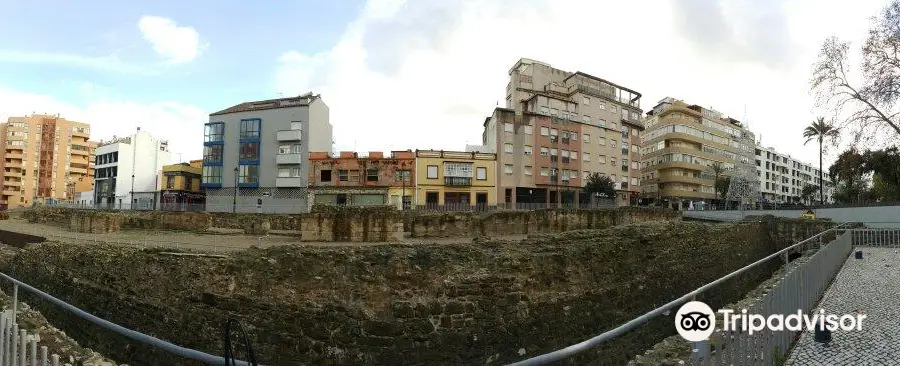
<point x="695" y="321"/>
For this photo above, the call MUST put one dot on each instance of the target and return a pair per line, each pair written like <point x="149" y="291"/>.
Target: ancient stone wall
<point x="94" y="222"/>
<point x="474" y="303"/>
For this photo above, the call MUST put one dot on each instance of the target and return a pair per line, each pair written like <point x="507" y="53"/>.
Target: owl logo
<point x="695" y="321"/>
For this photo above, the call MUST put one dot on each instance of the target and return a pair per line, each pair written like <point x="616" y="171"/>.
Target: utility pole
<point x="234" y="202"/>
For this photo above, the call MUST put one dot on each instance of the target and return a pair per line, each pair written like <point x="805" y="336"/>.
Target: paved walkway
<point x="195" y="241"/>
<point x="870" y="286"/>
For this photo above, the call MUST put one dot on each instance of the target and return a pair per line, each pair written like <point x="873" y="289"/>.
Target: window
<point x="586" y="119"/>
<point x="325" y="175"/>
<point x="291" y="173"/>
<point x="634" y="147"/>
<point x="432" y="172"/>
<point x="371" y="175"/>
<point x="343" y="176"/>
<point x="248" y="174"/>
<point x="250" y="151"/>
<point x="586" y="156"/>
<point x="613" y="143"/>
<point x="529" y="129"/>
<point x="602" y="141"/>
<point x="602" y="105"/>
<point x="554" y="132"/>
<point x="289" y="149"/>
<point x="481" y="173"/>
<point x="554" y="111"/>
<point x="214" y="132"/>
<point x="545" y="131"/>
<point x="612" y="161"/>
<point x="545" y="151"/>
<point x="528" y="150"/>
<point x="212" y="154"/>
<point x="552" y="152"/>
<point x="508" y="148"/>
<point x="545" y="172"/>
<point x="602" y="159"/>
<point x="170" y="182"/>
<point x="601" y="122"/>
<point x="508" y="127"/>
<point x="545" y="110"/>
<point x="587" y="101"/>
<point x="625" y="116"/>
<point x="574" y="155"/>
<point x="212" y="174"/>
<point x="587" y="138"/>
<point x="508" y="168"/>
<point x="614" y="109"/>
<point x="573" y="136"/>
<point x="296" y="125"/>
<point x="634" y="165"/>
<point x="250" y="129"/>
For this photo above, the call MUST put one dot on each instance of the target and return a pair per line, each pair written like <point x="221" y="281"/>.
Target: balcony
<point x="554" y="158"/>
<point x="81" y="133"/>
<point x="14" y="155"/>
<point x="565" y="140"/>
<point x="289" y="182"/>
<point x="565" y="160"/>
<point x="457" y="181"/>
<point x="554" y="178"/>
<point x="553" y="139"/>
<point x="289" y="135"/>
<point x="288" y="159"/>
<point x="77" y="170"/>
<point x="14" y="164"/>
<point x="11" y="191"/>
<point x="624" y="151"/>
<point x="12" y="183"/>
<point x="80" y="152"/>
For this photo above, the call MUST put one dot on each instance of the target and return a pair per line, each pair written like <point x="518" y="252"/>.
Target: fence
<point x="13" y="340"/>
<point x="18" y="348"/>
<point x="809" y="280"/>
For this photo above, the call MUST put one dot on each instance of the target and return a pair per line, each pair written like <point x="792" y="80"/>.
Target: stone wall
<point x="94" y="222"/>
<point x="475" y="303"/>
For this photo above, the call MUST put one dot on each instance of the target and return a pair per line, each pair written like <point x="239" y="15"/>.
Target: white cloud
<point x="177" y="122"/>
<point x="424" y="74"/>
<point x="178" y="44"/>
<point x="105" y="63"/>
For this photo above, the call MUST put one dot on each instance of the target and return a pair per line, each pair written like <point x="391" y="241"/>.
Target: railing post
<point x="15" y="302"/>
<point x="23" y="346"/>
<point x="700" y="350"/>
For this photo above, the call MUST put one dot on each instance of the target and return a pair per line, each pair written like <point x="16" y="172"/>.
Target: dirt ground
<point x="222" y="241"/>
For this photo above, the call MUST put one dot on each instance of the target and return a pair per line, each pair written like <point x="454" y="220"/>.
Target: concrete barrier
<point x="875" y="217"/>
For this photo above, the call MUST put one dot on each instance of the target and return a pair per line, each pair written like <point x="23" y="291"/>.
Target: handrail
<point x="135" y="335"/>
<point x="605" y="336"/>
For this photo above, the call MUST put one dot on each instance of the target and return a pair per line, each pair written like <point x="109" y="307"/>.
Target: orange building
<point x="45" y="158"/>
<point x="356" y="179"/>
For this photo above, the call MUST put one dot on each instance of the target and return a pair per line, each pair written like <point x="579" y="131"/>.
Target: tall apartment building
<point x="556" y="129"/>
<point x="127" y="171"/>
<point x="45" y="158"/>
<point x="782" y="178"/>
<point x="255" y="154"/>
<point x="680" y="144"/>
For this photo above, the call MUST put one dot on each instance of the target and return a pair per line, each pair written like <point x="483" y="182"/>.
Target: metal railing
<point x="821" y="268"/>
<point x="16" y="343"/>
<point x="118" y="329"/>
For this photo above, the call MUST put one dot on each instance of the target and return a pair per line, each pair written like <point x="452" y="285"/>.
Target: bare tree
<point x="868" y="108"/>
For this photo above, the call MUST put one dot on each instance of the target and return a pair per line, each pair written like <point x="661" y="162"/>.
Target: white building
<point x="782" y="178"/>
<point x="127" y="171"/>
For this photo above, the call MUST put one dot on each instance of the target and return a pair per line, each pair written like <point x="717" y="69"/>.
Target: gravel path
<point x="870" y="286"/>
<point x="211" y="242"/>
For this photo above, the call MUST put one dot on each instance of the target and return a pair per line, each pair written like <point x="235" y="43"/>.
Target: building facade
<point x="680" y="145"/>
<point x="455" y="179"/>
<point x="127" y="171"/>
<point x="255" y="154"/>
<point x="46" y="159"/>
<point x="179" y="188"/>
<point x="558" y="127"/>
<point x="354" y="179"/>
<point x="782" y="178"/>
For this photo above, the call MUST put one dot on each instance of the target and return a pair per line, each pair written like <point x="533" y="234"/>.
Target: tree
<point x="717" y="169"/>
<point x="885" y="168"/>
<point x="821" y="131"/>
<point x="722" y="185"/>
<point x="867" y="108"/>
<point x="849" y="176"/>
<point x="808" y="192"/>
<point x="599" y="184"/>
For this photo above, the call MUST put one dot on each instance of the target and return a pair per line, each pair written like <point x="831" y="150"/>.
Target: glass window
<point x="545" y="172"/>
<point x="212" y="153"/>
<point x="481" y="173"/>
<point x="601" y="123"/>
<point x="248" y="174"/>
<point x="587" y="138"/>
<point x="528" y="169"/>
<point x="586" y="119"/>
<point x="250" y="128"/>
<point x="296" y="125"/>
<point x="284" y="149"/>
<point x="508" y="127"/>
<point x="432" y="171"/>
<point x="545" y="109"/>
<point x="529" y="129"/>
<point x="212" y="174"/>
<point x="214" y="132"/>
<point x="249" y="151"/>
<point x="545" y="151"/>
<point x="587" y="101"/>
<point x="508" y="168"/>
<point x="528" y="150"/>
<point x="284" y="172"/>
<point x="545" y="131"/>
<point x="508" y="148"/>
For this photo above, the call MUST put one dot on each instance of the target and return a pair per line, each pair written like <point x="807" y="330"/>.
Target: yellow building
<point x="46" y="159"/>
<point x="455" y="178"/>
<point x="180" y="186"/>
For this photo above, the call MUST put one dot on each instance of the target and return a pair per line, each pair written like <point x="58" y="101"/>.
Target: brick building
<point x="356" y="179"/>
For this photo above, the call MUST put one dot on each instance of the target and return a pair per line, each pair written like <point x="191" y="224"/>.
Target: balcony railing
<point x="289" y="135"/>
<point x="554" y="158"/>
<point x="457" y="181"/>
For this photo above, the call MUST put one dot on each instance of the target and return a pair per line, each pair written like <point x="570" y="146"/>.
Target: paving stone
<point x="869" y="286"/>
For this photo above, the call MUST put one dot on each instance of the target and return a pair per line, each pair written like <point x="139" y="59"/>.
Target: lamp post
<point x="132" y="191"/>
<point x="234" y="202"/>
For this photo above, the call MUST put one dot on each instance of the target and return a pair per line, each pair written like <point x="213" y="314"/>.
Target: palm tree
<point x="717" y="170"/>
<point x="821" y="131"/>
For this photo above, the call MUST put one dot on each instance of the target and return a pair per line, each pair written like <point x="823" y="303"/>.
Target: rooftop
<point x="298" y="101"/>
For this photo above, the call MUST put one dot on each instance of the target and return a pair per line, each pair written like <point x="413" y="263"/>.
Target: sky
<point x="413" y="74"/>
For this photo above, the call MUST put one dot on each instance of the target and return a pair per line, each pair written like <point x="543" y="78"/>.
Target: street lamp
<point x="132" y="191"/>
<point x="234" y="202"/>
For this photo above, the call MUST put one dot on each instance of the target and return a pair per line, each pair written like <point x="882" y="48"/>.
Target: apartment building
<point x="255" y="154"/>
<point x="127" y="171"/>
<point x="782" y="178"/>
<point x="456" y="178"/>
<point x="46" y="158"/>
<point x="179" y="187"/>
<point x="680" y="144"/>
<point x="556" y="129"/>
<point x="355" y="179"/>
